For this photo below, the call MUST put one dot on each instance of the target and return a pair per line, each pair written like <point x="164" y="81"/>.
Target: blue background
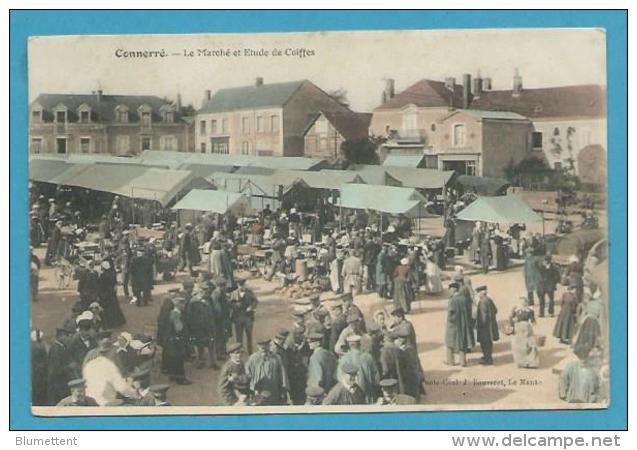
<point x="38" y="23"/>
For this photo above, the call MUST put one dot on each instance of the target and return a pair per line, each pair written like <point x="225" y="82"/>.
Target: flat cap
<point x="314" y="391"/>
<point x="314" y="337"/>
<point x="77" y="383"/>
<point x="398" y="311"/>
<point x="353" y="338"/>
<point x="481" y="288"/>
<point x="454" y="285"/>
<point x="388" y="382"/>
<point x="349" y="369"/>
<point x="265" y="341"/>
<point x="235" y="347"/>
<point x="353" y="318"/>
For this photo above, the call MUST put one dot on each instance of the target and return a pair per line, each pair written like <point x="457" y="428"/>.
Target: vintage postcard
<point x="318" y="222"/>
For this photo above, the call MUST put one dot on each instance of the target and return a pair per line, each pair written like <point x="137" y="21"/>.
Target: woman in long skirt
<point x="403" y="293"/>
<point x="523" y="345"/>
<point x="567" y="319"/>
<point x="112" y="317"/>
<point x="434" y="282"/>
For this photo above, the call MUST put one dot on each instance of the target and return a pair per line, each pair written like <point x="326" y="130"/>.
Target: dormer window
<point x="121" y="114"/>
<point x="84" y="113"/>
<point x="145" y="116"/>
<point x="167" y="114"/>
<point x="36" y="116"/>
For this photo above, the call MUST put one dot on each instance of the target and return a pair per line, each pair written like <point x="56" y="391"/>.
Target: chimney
<point x="486" y="84"/>
<point x="517" y="84"/>
<point x="178" y="103"/>
<point x="450" y="83"/>
<point x="208" y="94"/>
<point x="389" y="89"/>
<point x="466" y="91"/>
<point x="98" y="94"/>
<point x="258" y="82"/>
<point x="477" y="87"/>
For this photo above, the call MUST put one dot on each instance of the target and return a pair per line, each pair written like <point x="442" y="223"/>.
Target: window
<point x="213" y="126"/>
<point x="36" y="116"/>
<point x="36" y="145"/>
<point x="121" y="115"/>
<point x="459" y="133"/>
<point x="169" y="116"/>
<point x="260" y="124"/>
<point x="274" y="124"/>
<point x="410" y="120"/>
<point x="202" y="147"/>
<point x="146" y="119"/>
<point x="224" y="126"/>
<point x="122" y="144"/>
<point x="471" y="168"/>
<point x="60" y="116"/>
<point x="245" y="124"/>
<point x="536" y="140"/>
<point x="219" y="145"/>
<point x="245" y="148"/>
<point x="60" y="145"/>
<point x="85" y="145"/>
<point x="202" y="127"/>
<point x="146" y="143"/>
<point x="433" y="127"/>
<point x="168" y="143"/>
<point x="85" y="116"/>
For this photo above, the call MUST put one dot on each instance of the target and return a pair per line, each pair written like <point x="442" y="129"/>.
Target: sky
<point x="357" y="62"/>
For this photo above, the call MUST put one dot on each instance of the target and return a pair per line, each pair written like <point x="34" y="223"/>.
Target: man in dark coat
<point x="174" y="350"/>
<point x="298" y="360"/>
<point x="370" y="255"/>
<point x="346" y="391"/>
<point x="402" y="326"/>
<point x="81" y="342"/>
<point x="339" y="323"/>
<point x="61" y="367"/>
<point x="532" y="276"/>
<point x="322" y="364"/>
<point x="187" y="249"/>
<point x="142" y="278"/>
<point x="221" y="317"/>
<point x="486" y="325"/>
<point x="549" y="277"/>
<point x="39" y="369"/>
<point x="88" y="286"/>
<point x="163" y="322"/>
<point x="459" y="333"/>
<point x="200" y="326"/>
<point x="55" y="236"/>
<point x="78" y="395"/>
<point x="411" y="372"/>
<point x="267" y="374"/>
<point x="243" y="303"/>
<point x="230" y="372"/>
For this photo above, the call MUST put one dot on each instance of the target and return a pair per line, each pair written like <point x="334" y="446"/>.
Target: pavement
<point x="501" y="386"/>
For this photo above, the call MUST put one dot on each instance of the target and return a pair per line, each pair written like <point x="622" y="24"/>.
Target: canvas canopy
<point x="142" y="182"/>
<point x="420" y="178"/>
<point x="252" y="185"/>
<point x="507" y="209"/>
<point x="316" y="180"/>
<point x="368" y="174"/>
<point x="212" y="201"/>
<point x="413" y="161"/>
<point x="484" y="185"/>
<point x="386" y="199"/>
<point x="46" y="169"/>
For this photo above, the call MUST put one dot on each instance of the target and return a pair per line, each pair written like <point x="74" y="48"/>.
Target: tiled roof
<point x="249" y="97"/>
<point x="426" y="93"/>
<point x="102" y="107"/>
<point x="489" y="115"/>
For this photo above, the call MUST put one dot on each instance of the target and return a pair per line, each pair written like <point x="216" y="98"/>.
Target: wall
<point x="394" y="119"/>
<point x="503" y="141"/>
<point x="331" y="138"/>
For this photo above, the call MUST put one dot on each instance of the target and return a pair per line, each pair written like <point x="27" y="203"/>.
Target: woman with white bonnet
<point x="523" y="345"/>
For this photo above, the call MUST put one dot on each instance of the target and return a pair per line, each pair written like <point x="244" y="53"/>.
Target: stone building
<point x="111" y="124"/>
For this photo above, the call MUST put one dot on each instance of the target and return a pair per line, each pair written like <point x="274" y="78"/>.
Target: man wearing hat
<point x="61" y="368"/>
<point x="339" y="323"/>
<point x="78" y="395"/>
<point x="159" y="393"/>
<point x="222" y="325"/>
<point x="175" y="345"/>
<point x="352" y="273"/>
<point x="53" y="244"/>
<point x="346" y="391"/>
<point x="298" y="352"/>
<point x="367" y="377"/>
<point x="486" y="325"/>
<point x="403" y="326"/>
<point x="390" y="395"/>
<point x="142" y="277"/>
<point x="350" y="308"/>
<point x="243" y="303"/>
<point x="199" y="323"/>
<point x="230" y="373"/>
<point x="459" y="333"/>
<point x="532" y="275"/>
<point x="163" y="320"/>
<point x="279" y="347"/>
<point x="104" y="381"/>
<point x="549" y="278"/>
<point x="267" y="373"/>
<point x="318" y="311"/>
<point x="314" y="395"/>
<point x="354" y="327"/>
<point x="412" y="376"/>
<point x="188" y="250"/>
<point x="83" y="340"/>
<point x="88" y="286"/>
<point x="322" y="364"/>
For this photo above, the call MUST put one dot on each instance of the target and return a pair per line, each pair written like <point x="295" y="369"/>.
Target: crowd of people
<point x="329" y="357"/>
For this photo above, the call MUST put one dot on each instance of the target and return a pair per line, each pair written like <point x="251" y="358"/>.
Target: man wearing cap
<point x="243" y="303"/>
<point x="354" y="327"/>
<point x="104" y="381"/>
<point x="187" y="249"/>
<point x="486" y="325"/>
<point x="82" y="341"/>
<point x="279" y="348"/>
<point x="459" y="333"/>
<point x="322" y="364"/>
<point x="230" y="373"/>
<point x="78" y="395"/>
<point x="532" y="275"/>
<point x="549" y="278"/>
<point x="61" y="368"/>
<point x="367" y="377"/>
<point x="199" y="322"/>
<point x="339" y="323"/>
<point x="371" y="250"/>
<point x="346" y="391"/>
<point x="314" y="395"/>
<point x="163" y="321"/>
<point x="298" y="352"/>
<point x="390" y="395"/>
<point x="267" y="373"/>
<point x="222" y="325"/>
<point x="319" y="312"/>
<point x="142" y="277"/>
<point x="174" y="349"/>
<point x="352" y="273"/>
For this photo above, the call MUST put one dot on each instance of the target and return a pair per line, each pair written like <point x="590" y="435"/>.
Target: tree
<point x="360" y="151"/>
<point x="340" y="95"/>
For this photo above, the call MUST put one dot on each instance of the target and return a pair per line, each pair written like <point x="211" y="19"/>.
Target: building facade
<point x="263" y="119"/>
<point x="326" y="133"/>
<point x="110" y="124"/>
